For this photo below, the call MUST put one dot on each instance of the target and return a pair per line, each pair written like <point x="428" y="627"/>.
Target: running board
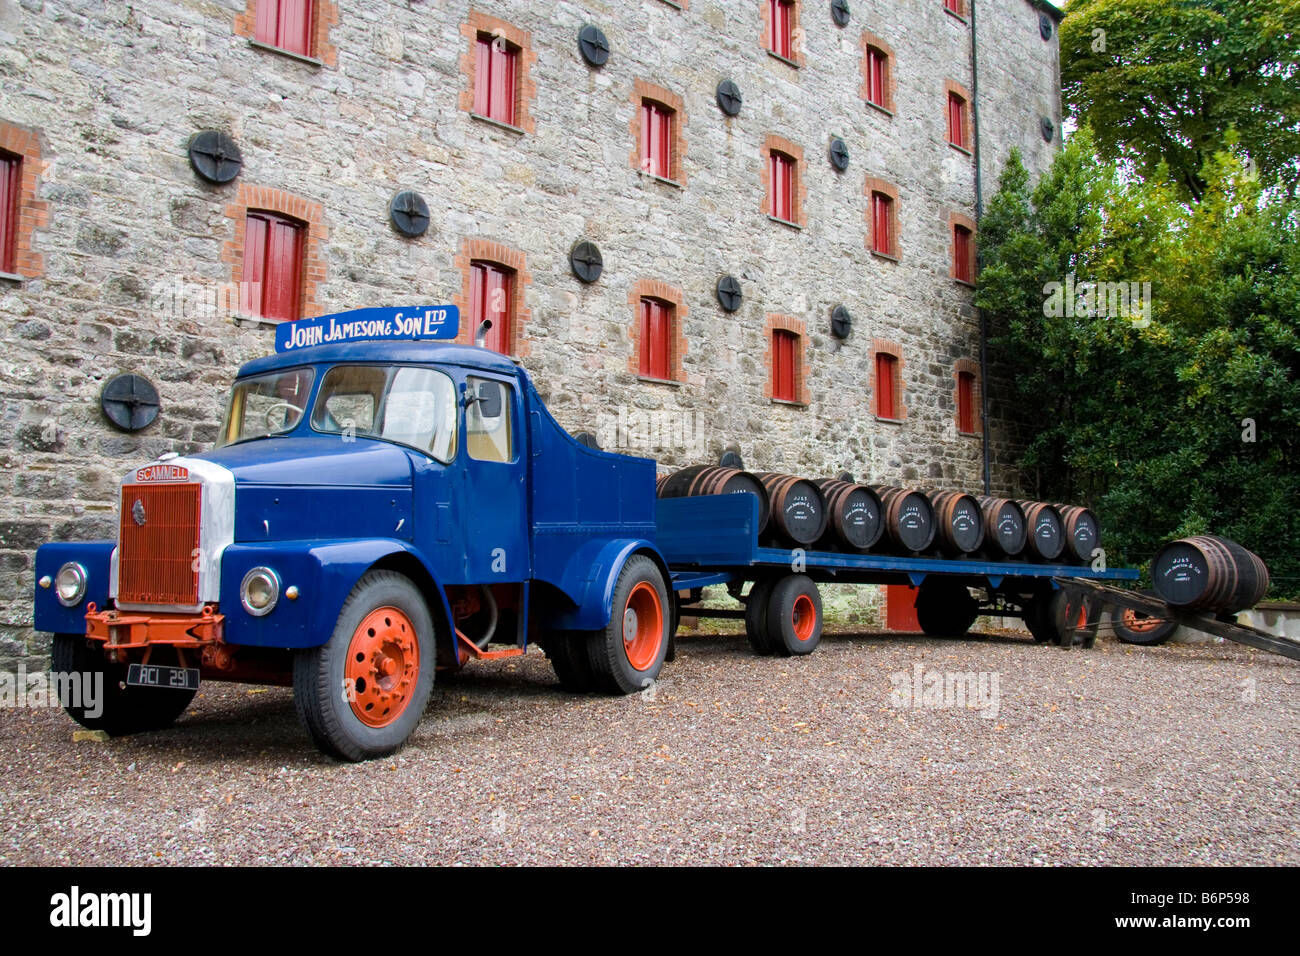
<point x="469" y="649"/>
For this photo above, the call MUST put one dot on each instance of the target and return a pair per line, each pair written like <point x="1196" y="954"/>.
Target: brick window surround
<point x="873" y="186"/>
<point x="796" y="327"/>
<point x="654" y="289"/>
<point x="872" y="42"/>
<point x="886" y="347"/>
<point x="799" y="191"/>
<point x="642" y="91"/>
<point x="310" y="214"/>
<point x="483" y="250"/>
<point x="481" y="24"/>
<point x="952" y="89"/>
<point x="29" y="214"/>
<point x="324" y="13"/>
<point x="955" y="221"/>
<point x="796" y="57"/>
<point x="970" y="368"/>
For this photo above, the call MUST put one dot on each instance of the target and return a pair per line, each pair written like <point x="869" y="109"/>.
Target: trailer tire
<point x="794" y="616"/>
<point x="1058" y="624"/>
<point x="362" y="693"/>
<point x="567" y="652"/>
<point x="122" y="709"/>
<point x="945" y="609"/>
<point x="1134" y="627"/>
<point x="628" y="653"/>
<point x="1037" y="620"/>
<point x="756" y="617"/>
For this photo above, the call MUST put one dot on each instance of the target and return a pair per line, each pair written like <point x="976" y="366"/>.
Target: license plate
<point x="160" y="675"/>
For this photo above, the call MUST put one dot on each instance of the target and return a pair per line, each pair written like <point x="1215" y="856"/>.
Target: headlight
<point x="259" y="591"/>
<point x="70" y="584"/>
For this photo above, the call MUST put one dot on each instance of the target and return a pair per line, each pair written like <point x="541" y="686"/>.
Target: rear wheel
<point x="794" y="616"/>
<point x="363" y="692"/>
<point x="627" y="655"/>
<point x="567" y="652"/>
<point x="102" y="700"/>
<point x="945" y="608"/>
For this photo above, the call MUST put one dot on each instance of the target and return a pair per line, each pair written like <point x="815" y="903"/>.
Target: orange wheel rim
<point x="803" y="617"/>
<point x="383" y="665"/>
<point x="1083" y="619"/>
<point x="1139" y="622"/>
<point x="643" y="626"/>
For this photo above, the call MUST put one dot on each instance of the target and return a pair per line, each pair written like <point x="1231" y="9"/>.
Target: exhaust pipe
<point x="480" y="337"/>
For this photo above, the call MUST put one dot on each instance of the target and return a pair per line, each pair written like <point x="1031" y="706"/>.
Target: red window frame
<point x="953" y="6"/>
<point x="492" y="297"/>
<point x="886" y="379"/>
<point x="877" y="76"/>
<point x="785" y="364"/>
<point x="781" y="185"/>
<point x="272" y="276"/>
<point x="882" y="239"/>
<point x="285" y="24"/>
<point x="11" y="186"/>
<point x="656" y="139"/>
<point x="966" y="402"/>
<point x="963" y="254"/>
<point x="957" y="120"/>
<point x="496" y="65"/>
<point x="656" y="338"/>
<point x="780" y="28"/>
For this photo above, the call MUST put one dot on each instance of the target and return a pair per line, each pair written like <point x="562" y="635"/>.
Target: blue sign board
<point x="366" y="325"/>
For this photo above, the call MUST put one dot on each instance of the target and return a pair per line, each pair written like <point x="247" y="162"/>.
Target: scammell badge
<point x="137" y="512"/>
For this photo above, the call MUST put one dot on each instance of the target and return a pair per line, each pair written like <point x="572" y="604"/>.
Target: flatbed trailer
<point x="713" y="540"/>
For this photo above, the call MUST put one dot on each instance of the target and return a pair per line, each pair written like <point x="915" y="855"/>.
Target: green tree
<point x="1165" y="81"/>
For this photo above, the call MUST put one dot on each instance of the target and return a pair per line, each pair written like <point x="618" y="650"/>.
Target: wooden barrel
<point x="909" y="518"/>
<point x="854" y="513"/>
<point x="716" y="480"/>
<point x="1046" y="535"/>
<point x="1005" y="528"/>
<point x="959" y="522"/>
<point x="1082" y="532"/>
<point x="1209" y="573"/>
<point x="798" y="508"/>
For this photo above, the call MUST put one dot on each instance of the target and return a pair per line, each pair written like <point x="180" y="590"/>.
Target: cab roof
<point x="443" y="353"/>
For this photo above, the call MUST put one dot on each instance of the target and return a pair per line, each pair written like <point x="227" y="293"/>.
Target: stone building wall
<point x="136" y="251"/>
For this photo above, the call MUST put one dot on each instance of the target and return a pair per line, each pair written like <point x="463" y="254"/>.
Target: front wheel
<point x="97" y="696"/>
<point x="627" y="655"/>
<point x="363" y="692"/>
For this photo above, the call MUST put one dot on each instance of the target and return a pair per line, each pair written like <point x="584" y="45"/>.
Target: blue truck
<point x="383" y="503"/>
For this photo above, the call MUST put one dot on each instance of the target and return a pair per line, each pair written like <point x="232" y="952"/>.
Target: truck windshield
<point x="267" y="404"/>
<point x="407" y="404"/>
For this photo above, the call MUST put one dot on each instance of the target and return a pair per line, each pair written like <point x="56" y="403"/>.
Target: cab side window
<point x="487" y="420"/>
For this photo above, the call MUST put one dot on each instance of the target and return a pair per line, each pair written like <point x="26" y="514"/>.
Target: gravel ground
<point x="1118" y="755"/>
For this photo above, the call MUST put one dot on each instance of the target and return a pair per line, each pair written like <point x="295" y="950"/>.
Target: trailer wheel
<point x="1134" y="627"/>
<point x="627" y="655"/>
<point x="794" y="616"/>
<point x="945" y="608"/>
<point x="1058" y="624"/>
<point x="756" y="617"/>
<point x="363" y="692"/>
<point x="567" y="652"/>
<point x="1037" y="619"/>
<point x="120" y="709"/>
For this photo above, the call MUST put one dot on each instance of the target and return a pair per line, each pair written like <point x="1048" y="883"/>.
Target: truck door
<point x="495" y="509"/>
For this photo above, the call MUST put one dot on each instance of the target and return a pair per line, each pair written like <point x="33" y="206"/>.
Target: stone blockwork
<point x="133" y="247"/>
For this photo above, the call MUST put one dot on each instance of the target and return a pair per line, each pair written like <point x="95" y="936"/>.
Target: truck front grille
<point x="157" y="543"/>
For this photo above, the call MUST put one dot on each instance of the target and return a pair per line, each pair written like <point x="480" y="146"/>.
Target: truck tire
<point x="628" y="653"/>
<point x="122" y="709"/>
<point x="794" y="616"/>
<point x="362" y="693"/>
<point x="1134" y="627"/>
<point x="756" y="617"/>
<point x="945" y="608"/>
<point x="567" y="652"/>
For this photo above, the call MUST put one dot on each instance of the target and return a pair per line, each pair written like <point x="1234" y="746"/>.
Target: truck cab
<point x="376" y="509"/>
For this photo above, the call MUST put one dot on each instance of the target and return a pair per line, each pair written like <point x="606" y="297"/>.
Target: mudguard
<point x="96" y="557"/>
<point x="590" y="577"/>
<point x="324" y="573"/>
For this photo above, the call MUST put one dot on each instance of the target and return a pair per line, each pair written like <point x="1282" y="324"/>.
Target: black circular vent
<point x="841" y="322"/>
<point x="729" y="98"/>
<point x="130" y="402"/>
<point x="409" y="213"/>
<point x="728" y="292"/>
<point x="215" y="156"/>
<point x="593" y="45"/>
<point x="585" y="261"/>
